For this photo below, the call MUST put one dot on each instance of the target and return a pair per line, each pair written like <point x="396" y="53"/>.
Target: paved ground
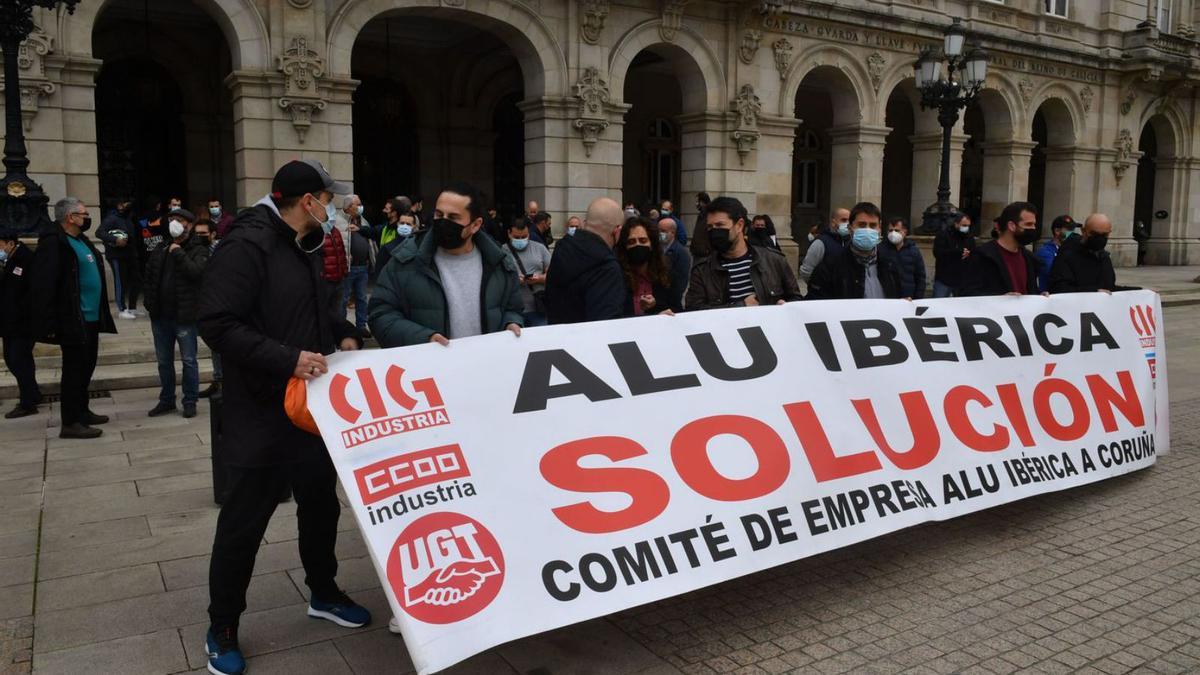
<point x="103" y="559"/>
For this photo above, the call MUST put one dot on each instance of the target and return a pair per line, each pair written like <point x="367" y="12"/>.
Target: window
<point x="1059" y="8"/>
<point x="806" y="183"/>
<point x="1164" y="15"/>
<point x="809" y="141"/>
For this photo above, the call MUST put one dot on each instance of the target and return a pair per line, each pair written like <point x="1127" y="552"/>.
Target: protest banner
<point x="507" y="486"/>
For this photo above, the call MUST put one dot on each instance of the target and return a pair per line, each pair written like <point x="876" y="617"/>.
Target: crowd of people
<point x="269" y="292"/>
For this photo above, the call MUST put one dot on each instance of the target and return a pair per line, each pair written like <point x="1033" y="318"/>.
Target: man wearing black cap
<point x="265" y="310"/>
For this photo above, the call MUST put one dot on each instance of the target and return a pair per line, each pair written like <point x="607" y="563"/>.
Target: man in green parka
<point x="453" y="282"/>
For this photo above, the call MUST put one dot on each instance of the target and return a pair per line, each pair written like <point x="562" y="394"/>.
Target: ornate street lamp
<point x="22" y="201"/>
<point x="948" y="94"/>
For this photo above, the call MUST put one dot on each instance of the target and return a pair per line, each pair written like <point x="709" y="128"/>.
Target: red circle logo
<point x="445" y="567"/>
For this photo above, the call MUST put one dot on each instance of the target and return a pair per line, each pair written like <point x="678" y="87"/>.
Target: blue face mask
<point x="843" y="229"/>
<point x="404" y="229"/>
<point x="865" y="239"/>
<point x="359" y="209"/>
<point x="3" y="256"/>
<point x="214" y="211"/>
<point x="571" y="231"/>
<point x="662" y="236"/>
<point x="520" y="244"/>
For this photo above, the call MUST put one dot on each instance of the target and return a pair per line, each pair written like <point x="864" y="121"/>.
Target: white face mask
<point x="175" y="229"/>
<point x="812" y="237"/>
<point x="896" y="236"/>
<point x="964" y="228"/>
<point x="843" y="228"/>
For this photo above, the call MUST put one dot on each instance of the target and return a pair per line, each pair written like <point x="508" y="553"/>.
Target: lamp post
<point x="964" y="77"/>
<point x="22" y="201"/>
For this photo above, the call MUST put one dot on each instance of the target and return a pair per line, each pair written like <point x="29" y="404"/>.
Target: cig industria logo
<point x="360" y="402"/>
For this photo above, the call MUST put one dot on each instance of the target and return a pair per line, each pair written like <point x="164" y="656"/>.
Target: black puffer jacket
<point x="584" y="282"/>
<point x="16" y="296"/>
<point x="173" y="278"/>
<point x="133" y="248"/>
<point x="57" y="314"/>
<point x="263" y="303"/>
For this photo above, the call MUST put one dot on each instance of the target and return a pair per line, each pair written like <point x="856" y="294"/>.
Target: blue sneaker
<point x="343" y="611"/>
<point x="224" y="657"/>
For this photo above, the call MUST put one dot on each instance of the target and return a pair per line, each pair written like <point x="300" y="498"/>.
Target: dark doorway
<point x="652" y="147"/>
<point x="1143" y="205"/>
<point x="387" y="159"/>
<point x="163" y="125"/>
<point x="970" y="200"/>
<point x="509" y="158"/>
<point x="898" y="158"/>
<point x="139" y="132"/>
<point x="1037" y="165"/>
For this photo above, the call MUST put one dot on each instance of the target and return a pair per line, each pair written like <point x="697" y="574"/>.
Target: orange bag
<point x="295" y="404"/>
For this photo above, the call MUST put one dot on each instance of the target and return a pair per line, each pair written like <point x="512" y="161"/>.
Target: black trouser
<point x="18" y="357"/>
<point x="250" y="499"/>
<point x="131" y="276"/>
<point x="78" y="364"/>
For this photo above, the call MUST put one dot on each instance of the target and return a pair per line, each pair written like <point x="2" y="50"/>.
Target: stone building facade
<point x="794" y="106"/>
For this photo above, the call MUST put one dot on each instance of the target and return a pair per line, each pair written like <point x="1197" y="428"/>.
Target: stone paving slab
<point x="1100" y="579"/>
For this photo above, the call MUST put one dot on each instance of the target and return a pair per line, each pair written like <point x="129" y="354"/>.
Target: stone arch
<point x="239" y="20"/>
<point x="998" y="114"/>
<point x="692" y="58"/>
<point x="1169" y="127"/>
<point x="1063" y="113"/>
<point x="543" y="64"/>
<point x="898" y="77"/>
<point x="830" y="59"/>
<point x="1019" y="117"/>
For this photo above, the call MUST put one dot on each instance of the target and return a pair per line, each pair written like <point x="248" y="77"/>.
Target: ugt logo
<point x="1142" y="318"/>
<point x="383" y="420"/>
<point x="445" y="567"/>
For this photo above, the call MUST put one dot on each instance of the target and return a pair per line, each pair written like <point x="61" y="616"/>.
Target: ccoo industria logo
<point x="1142" y="318"/>
<point x="373" y="416"/>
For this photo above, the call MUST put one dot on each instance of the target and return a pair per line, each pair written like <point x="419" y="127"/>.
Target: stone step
<point x="1181" y="299"/>
<point x="106" y="378"/>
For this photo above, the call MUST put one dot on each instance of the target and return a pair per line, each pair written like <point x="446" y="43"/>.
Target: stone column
<point x="773" y="170"/>
<point x="1005" y="177"/>
<point x="927" y="166"/>
<point x="73" y="164"/>
<point x="856" y="158"/>
<point x="1176" y="239"/>
<point x="254" y="158"/>
<point x="1061" y="167"/>
<point x="570" y="160"/>
<point x="704" y="158"/>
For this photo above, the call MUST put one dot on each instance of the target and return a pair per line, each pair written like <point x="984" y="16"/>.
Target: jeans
<point x="218" y="373"/>
<point x="250" y="499"/>
<point x="18" y="357"/>
<point x="127" y="283"/>
<point x="941" y="290"/>
<point x="534" y="319"/>
<point x="166" y="334"/>
<point x="356" y="283"/>
<point x="78" y="365"/>
<point x="118" y="289"/>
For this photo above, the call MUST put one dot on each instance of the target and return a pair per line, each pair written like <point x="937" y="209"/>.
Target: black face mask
<point x="86" y="224"/>
<point x="447" y="234"/>
<point x="638" y="255"/>
<point x="1096" y="242"/>
<point x="1027" y="237"/>
<point x="720" y="239"/>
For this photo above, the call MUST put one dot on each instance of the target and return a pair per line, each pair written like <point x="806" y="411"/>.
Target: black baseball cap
<point x="1062" y="221"/>
<point x="304" y="176"/>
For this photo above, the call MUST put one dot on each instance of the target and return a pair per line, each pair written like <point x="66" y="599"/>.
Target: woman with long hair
<point x="640" y="254"/>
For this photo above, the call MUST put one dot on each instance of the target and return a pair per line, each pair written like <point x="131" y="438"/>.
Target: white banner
<point x="507" y="486"/>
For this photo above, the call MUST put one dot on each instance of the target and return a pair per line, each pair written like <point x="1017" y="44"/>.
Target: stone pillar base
<point x="1123" y="252"/>
<point x="1172" y="251"/>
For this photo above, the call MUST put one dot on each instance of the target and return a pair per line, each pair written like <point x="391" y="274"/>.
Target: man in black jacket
<point x="857" y="271"/>
<point x="70" y="308"/>
<point x="264" y="309"/>
<point x="1004" y="266"/>
<point x="173" y="275"/>
<point x="584" y="282"/>
<point x="124" y="251"/>
<point x="737" y="273"/>
<point x="1082" y="264"/>
<point x="16" y="319"/>
<point x="952" y="249"/>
